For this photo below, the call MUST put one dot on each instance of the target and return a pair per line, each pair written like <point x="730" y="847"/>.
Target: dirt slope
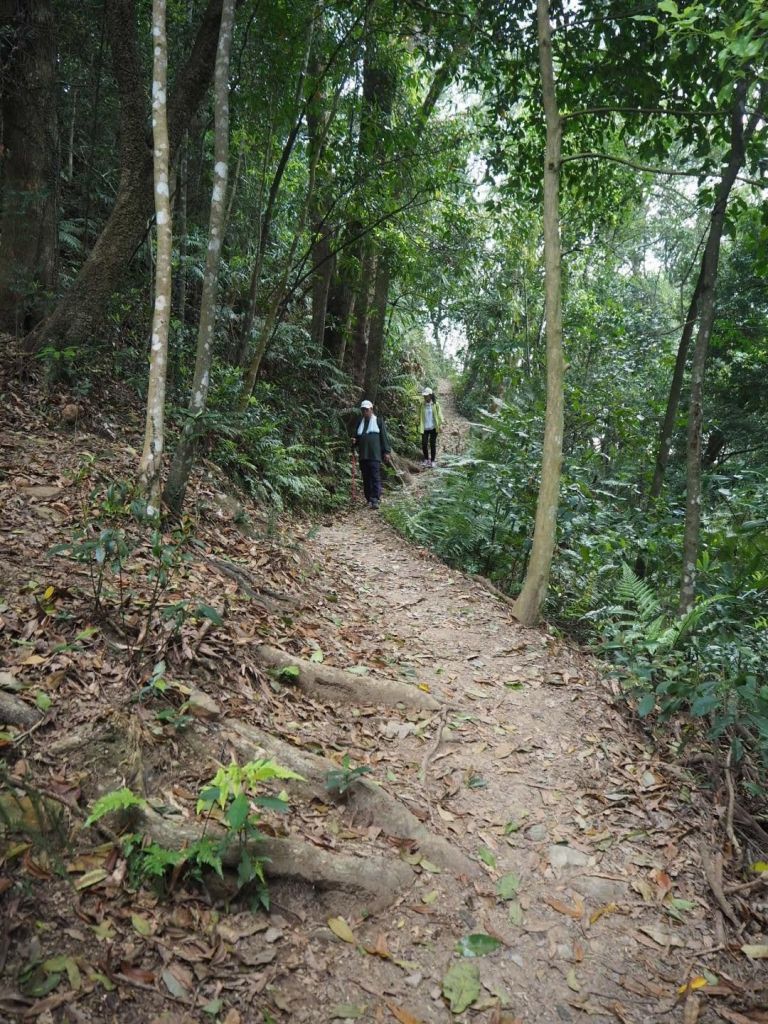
<point x="536" y="817"/>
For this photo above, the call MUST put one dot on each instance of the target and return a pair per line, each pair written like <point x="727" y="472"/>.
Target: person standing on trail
<point x="373" y="448"/>
<point x="430" y="421"/>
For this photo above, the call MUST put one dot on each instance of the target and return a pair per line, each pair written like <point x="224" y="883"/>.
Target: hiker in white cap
<point x="430" y="421"/>
<point x="373" y="448"/>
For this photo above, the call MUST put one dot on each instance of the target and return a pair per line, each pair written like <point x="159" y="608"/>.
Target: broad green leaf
<point x="477" y="944"/>
<point x="43" y="701"/>
<point x="461" y="986"/>
<point x="341" y="930"/>
<point x="487" y="856"/>
<point x="141" y="924"/>
<point x="508" y="886"/>
<point x="204" y="611"/>
<point x="237" y="812"/>
<point x="515" y="913"/>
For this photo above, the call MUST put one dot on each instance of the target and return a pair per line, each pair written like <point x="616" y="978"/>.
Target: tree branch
<point x="635" y="166"/>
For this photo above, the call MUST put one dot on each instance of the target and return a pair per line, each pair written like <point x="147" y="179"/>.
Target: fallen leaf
<point x="402" y="1015"/>
<point x="141" y="924"/>
<point x="380" y="949"/>
<point x="572" y="981"/>
<point x="341" y="929"/>
<point x="608" y="908"/>
<point x="348" y="1011"/>
<point x="574" y="911"/>
<point x="91" y="878"/>
<point x="477" y="944"/>
<point x="758" y="952"/>
<point x="664" y="938"/>
<point x="693" y="984"/>
<point x="508" y="886"/>
<point x="461" y="986"/>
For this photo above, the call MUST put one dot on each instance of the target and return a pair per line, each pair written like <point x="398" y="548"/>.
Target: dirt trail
<point x="535" y="774"/>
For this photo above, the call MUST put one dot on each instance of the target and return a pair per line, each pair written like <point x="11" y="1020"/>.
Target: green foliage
<point x="340" y="780"/>
<point x="230" y="796"/>
<point x="110" y="803"/>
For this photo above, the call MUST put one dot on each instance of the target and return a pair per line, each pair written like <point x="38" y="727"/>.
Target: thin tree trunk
<point x="527" y="607"/>
<point x="709" y="267"/>
<point x="184" y="455"/>
<point x="269" y="210"/>
<point x="675" y="391"/>
<point x="151" y="465"/>
<point x="88" y="180"/>
<point x="71" y="140"/>
<point x="182" y="230"/>
<point x="81" y="311"/>
<point x="357" y="355"/>
<point x="377" y="333"/>
<point x="30" y="147"/>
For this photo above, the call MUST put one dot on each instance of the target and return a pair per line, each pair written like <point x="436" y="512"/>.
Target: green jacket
<point x="372" y="447"/>
<point x="438" y="415"/>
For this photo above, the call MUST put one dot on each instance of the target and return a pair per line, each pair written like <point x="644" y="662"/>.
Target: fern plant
<point x="641" y="637"/>
<point x="231" y="797"/>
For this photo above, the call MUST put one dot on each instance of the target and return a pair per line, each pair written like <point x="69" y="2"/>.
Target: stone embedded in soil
<point x="537" y="833"/>
<point x="203" y="706"/>
<point x="566" y="857"/>
<point x="607" y="890"/>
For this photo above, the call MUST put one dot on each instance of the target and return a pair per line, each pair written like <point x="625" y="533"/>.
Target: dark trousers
<point x="371" y="473"/>
<point x="429" y="444"/>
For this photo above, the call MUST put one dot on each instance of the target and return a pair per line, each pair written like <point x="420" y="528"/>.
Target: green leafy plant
<point x="340" y="780"/>
<point x="230" y="798"/>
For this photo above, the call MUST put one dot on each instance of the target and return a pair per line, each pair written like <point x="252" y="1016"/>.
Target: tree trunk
<point x="377" y="333"/>
<point x="527" y="607"/>
<point x="269" y="209"/>
<point x="151" y="465"/>
<point x="675" y="390"/>
<point x="709" y="266"/>
<point x="80" y="313"/>
<point x="182" y="232"/>
<point x="183" y="457"/>
<point x="356" y="356"/>
<point x="30" y="164"/>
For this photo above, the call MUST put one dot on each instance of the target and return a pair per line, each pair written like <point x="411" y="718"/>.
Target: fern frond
<point x="117" y="800"/>
<point x="632" y="590"/>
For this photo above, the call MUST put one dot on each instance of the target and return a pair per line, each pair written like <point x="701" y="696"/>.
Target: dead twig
<point x="762" y="879"/>
<point x="713" y="872"/>
<point x="731" y="801"/>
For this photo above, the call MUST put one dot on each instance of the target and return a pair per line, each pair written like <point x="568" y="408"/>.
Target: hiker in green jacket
<point x="373" y="448"/>
<point x="430" y="421"/>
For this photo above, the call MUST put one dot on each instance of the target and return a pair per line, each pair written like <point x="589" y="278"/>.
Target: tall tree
<point x="527" y="607"/>
<point x="29" y="161"/>
<point x="151" y="465"/>
<point x="740" y="135"/>
<point x="80" y="312"/>
<point x="185" y="450"/>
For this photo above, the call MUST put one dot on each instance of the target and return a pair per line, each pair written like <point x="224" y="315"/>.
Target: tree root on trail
<point x="336" y="685"/>
<point x="367" y="803"/>
<point x="371" y="879"/>
<point x="273" y="601"/>
<point x="492" y="589"/>
<point x="15" y="711"/>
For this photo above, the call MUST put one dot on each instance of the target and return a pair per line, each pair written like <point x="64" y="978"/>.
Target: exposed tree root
<point x="271" y="600"/>
<point x="367" y="803"/>
<point x="374" y="881"/>
<point x="338" y="686"/>
<point x="492" y="589"/>
<point x="15" y="711"/>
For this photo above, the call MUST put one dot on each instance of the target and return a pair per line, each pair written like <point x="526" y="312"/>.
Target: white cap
<point x="427" y="391"/>
<point x="365" y="404"/>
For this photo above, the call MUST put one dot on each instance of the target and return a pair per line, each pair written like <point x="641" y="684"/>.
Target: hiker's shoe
<point x="425" y="463"/>
<point x="374" y="505"/>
